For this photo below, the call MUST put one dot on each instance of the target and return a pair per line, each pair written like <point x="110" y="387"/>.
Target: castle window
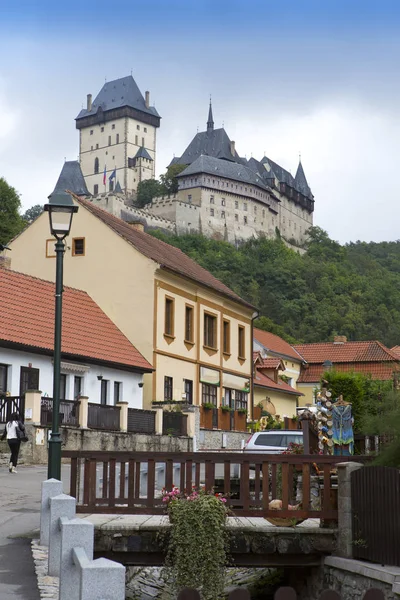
<point x="212" y="212"/>
<point x="91" y="147"/>
<point x="102" y="129"/>
<point x="96" y="165"/>
<point x="245" y="220"/>
<point x="294" y="225"/>
<point x="95" y="189"/>
<point x="91" y="132"/>
<point x="222" y="201"/>
<point x="138" y="127"/>
<point x="142" y="141"/>
<point x="236" y="203"/>
<point x="145" y="129"/>
<point x="109" y="140"/>
<point x="290" y="223"/>
<point x="211" y="199"/>
<point x="236" y="217"/>
<point x="222" y="214"/>
<point x="213" y="181"/>
<point x="283" y="220"/>
<point x="245" y="206"/>
<point x="117" y="139"/>
<point x="78" y="247"/>
<point x="255" y="209"/>
<point x="263" y="213"/>
<point x="190" y="198"/>
<point x="111" y="185"/>
<point x="113" y="126"/>
<point x="97" y="146"/>
<point x="136" y="140"/>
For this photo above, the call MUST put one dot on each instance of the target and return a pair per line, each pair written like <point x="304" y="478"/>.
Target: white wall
<point x="131" y="392"/>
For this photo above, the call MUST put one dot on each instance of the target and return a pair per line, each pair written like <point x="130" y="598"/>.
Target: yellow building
<point x="193" y="329"/>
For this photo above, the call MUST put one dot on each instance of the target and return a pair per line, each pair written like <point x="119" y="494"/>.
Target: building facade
<point x="117" y="138"/>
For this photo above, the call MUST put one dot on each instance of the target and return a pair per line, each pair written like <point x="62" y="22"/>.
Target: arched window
<point x="96" y="165"/>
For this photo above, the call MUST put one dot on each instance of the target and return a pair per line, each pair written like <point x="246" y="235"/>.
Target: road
<point x="19" y="523"/>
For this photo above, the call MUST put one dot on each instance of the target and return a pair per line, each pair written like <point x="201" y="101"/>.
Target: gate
<point x="375" y="498"/>
<point x="174" y="423"/>
<point x="10" y="404"/>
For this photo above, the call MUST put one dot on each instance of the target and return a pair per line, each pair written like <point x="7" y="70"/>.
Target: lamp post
<point x="60" y="208"/>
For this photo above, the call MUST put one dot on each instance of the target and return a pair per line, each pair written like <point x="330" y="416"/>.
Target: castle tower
<point x="113" y="129"/>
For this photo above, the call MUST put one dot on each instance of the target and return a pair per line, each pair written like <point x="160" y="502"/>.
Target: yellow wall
<point x="308" y="390"/>
<point x="285" y="404"/>
<point x="292" y="370"/>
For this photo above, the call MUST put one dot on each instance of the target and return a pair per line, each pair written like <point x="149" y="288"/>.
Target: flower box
<point x="206" y="418"/>
<point x="257" y="413"/>
<point x="240" y="421"/>
<point x="224" y="420"/>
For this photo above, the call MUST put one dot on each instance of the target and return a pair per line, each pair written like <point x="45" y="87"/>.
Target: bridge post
<point x="345" y="527"/>
<point x="50" y="488"/>
<point x="60" y="506"/>
<point x="74" y="533"/>
<point x="83" y="412"/>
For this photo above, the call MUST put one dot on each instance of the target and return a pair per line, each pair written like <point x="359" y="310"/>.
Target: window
<point x="210" y="330"/>
<point x="63" y="387"/>
<point x="211" y="199"/>
<point x="50" y="248"/>
<point x="97" y="146"/>
<point x="241" y="399"/>
<point x="167" y="389"/>
<point x="189" y="312"/>
<point x="77" y="386"/>
<point x="136" y="140"/>
<point x="91" y="132"/>
<point x="245" y="220"/>
<point x="117" y="391"/>
<point x="111" y="185"/>
<point x="222" y="201"/>
<point x="236" y="204"/>
<point x="95" y="189"/>
<point x="209" y="394"/>
<point x="109" y="140"/>
<point x="142" y="141"/>
<point x="138" y="127"/>
<point x="96" y="165"/>
<point x="189" y="391"/>
<point x="236" y="217"/>
<point x="222" y="214"/>
<point x="3" y="378"/>
<point x="145" y="129"/>
<point x="255" y="210"/>
<point x="169" y="317"/>
<point x="102" y="129"/>
<point x="241" y="342"/>
<point x="263" y="214"/>
<point x="245" y="206"/>
<point x="104" y="391"/>
<point x="212" y="212"/>
<point x="91" y="147"/>
<point x="78" y="246"/>
<point x="226" y="337"/>
<point x="117" y="139"/>
<point x="190" y="198"/>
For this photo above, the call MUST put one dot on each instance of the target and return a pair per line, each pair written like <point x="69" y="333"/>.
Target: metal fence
<point x="69" y="412"/>
<point x="101" y="416"/>
<point x="174" y="423"/>
<point x="375" y="497"/>
<point x="10" y="404"/>
<point x="141" y="421"/>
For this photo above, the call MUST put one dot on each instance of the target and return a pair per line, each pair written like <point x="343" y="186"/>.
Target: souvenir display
<point x="324" y="421"/>
<point x="343" y="437"/>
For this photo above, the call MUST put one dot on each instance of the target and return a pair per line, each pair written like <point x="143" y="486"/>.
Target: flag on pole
<point x="113" y="175"/>
<point x="105" y="175"/>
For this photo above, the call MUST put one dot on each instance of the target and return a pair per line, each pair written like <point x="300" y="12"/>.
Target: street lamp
<point x="60" y="208"/>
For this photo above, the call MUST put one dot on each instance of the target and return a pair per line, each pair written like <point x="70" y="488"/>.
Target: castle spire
<point x="300" y="179"/>
<point x="210" y="122"/>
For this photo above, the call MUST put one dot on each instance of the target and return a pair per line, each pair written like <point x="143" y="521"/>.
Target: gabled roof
<point x="272" y="363"/>
<point x="116" y="94"/>
<point x="285" y="177"/>
<point x="223" y="168"/>
<point x="168" y="257"/>
<point x="396" y="351"/>
<point x="354" y="352"/>
<point x="71" y="178"/>
<point x="27" y="321"/>
<point x="213" y="142"/>
<point x="264" y="381"/>
<point x="301" y="181"/>
<point x="377" y="370"/>
<point x="276" y="344"/>
<point x="142" y="153"/>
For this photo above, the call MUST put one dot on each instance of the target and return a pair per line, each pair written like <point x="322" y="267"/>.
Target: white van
<point x="274" y="441"/>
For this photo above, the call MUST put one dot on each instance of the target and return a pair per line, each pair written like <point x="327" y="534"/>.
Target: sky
<point x="318" y="78"/>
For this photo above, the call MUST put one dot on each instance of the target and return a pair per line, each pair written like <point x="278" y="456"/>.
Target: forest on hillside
<point x="351" y="290"/>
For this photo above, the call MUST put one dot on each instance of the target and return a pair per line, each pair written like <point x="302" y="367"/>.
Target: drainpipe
<point x="255" y="315"/>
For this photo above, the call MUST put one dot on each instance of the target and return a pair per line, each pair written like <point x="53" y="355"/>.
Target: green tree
<point x="11" y="222"/>
<point x="169" y="179"/>
<point x="385" y="422"/>
<point x="147" y="190"/>
<point x="32" y="213"/>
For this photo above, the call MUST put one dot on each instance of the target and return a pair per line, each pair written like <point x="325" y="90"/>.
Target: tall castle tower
<point x="117" y="132"/>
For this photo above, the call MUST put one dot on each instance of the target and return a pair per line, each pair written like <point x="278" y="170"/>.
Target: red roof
<point x="27" y="320"/>
<point x="264" y="381"/>
<point x="276" y="344"/>
<point x="354" y="352"/>
<point x="167" y="256"/>
<point x="377" y="370"/>
<point x="396" y="351"/>
<point x="272" y="363"/>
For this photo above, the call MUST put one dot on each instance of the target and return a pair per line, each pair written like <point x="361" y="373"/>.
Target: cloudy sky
<point x="316" y="77"/>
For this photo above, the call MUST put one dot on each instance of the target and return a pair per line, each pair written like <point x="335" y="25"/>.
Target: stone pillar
<point x="123" y="415"/>
<point x="345" y="529"/>
<point x="159" y="420"/>
<point x="50" y="488"/>
<point x="101" y="578"/>
<point x="74" y="533"/>
<point x="83" y="412"/>
<point x="33" y="400"/>
<point x="191" y="421"/>
<point x="60" y="506"/>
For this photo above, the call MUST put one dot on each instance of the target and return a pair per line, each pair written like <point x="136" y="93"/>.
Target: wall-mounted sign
<point x="210" y="376"/>
<point x="234" y="382"/>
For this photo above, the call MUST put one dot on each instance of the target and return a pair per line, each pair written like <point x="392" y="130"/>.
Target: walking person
<point x="11" y="430"/>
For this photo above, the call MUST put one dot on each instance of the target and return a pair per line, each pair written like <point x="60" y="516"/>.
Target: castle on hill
<point x="220" y="195"/>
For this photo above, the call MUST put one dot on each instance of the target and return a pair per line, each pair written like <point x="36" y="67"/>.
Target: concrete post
<point x="191" y="421"/>
<point x="33" y="399"/>
<point x="159" y="420"/>
<point x="83" y="412"/>
<point x="101" y="578"/>
<point x="50" y="488"/>
<point x="74" y="533"/>
<point x="123" y="416"/>
<point x="345" y="529"/>
<point x="60" y="506"/>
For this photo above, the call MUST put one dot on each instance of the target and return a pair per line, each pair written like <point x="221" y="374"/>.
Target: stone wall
<point x="212" y="440"/>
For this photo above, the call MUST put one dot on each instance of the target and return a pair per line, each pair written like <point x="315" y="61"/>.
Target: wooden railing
<point x="10" y="404"/>
<point x="141" y="421"/>
<point x="102" y="416"/>
<point x="69" y="412"/>
<point x="131" y="482"/>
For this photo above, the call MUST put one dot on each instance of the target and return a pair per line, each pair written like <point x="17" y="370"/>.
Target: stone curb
<point x="48" y="586"/>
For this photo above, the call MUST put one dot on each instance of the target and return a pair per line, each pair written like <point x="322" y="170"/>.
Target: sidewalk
<point x="19" y="517"/>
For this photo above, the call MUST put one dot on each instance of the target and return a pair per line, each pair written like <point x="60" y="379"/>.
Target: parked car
<point x="274" y="441"/>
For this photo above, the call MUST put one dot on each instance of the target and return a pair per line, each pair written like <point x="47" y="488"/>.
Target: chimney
<point x="89" y="102"/>
<point x="147" y="101"/>
<point x="339" y="339"/>
<point x="136" y="225"/>
<point x="233" y="148"/>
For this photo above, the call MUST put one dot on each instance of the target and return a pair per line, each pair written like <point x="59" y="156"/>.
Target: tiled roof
<point x="271" y="363"/>
<point x="71" y="178"/>
<point x="264" y="381"/>
<point x="168" y="257"/>
<point x="346" y="352"/>
<point x="27" y="319"/>
<point x="213" y="142"/>
<point x="396" y="350"/>
<point x="276" y="344"/>
<point x="377" y="370"/>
